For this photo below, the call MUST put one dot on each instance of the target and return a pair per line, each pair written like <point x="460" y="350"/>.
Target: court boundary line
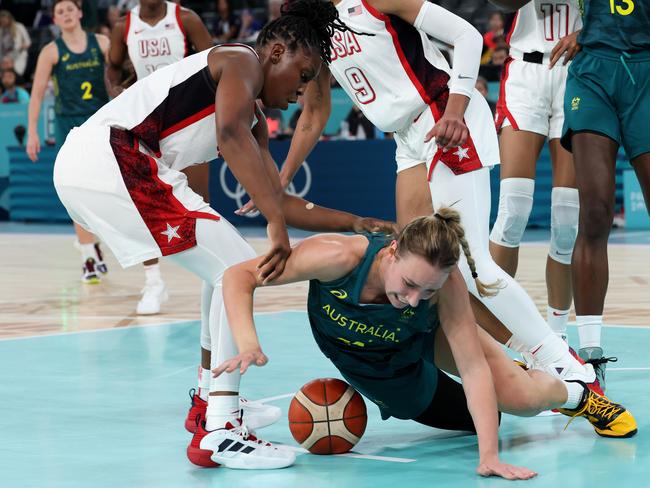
<point x="185" y="321"/>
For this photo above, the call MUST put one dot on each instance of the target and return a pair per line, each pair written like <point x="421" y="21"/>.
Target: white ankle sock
<point x="87" y="251"/>
<point x="550" y="350"/>
<point x="221" y="409"/>
<point x="575" y="393"/>
<point x="557" y="319"/>
<point x="204" y="383"/>
<point x="152" y="273"/>
<point x="516" y="344"/>
<point x="589" y="327"/>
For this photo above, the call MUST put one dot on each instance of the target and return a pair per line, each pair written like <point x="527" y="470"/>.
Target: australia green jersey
<point x="79" y="79"/>
<point x="620" y="25"/>
<point x="374" y="340"/>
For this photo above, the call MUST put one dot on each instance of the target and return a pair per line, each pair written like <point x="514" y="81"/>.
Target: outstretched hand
<point x="503" y="470"/>
<point x="369" y="224"/>
<point x="242" y="361"/>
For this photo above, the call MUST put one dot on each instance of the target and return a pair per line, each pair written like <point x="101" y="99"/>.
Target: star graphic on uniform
<point x="171" y="232"/>
<point x="461" y="152"/>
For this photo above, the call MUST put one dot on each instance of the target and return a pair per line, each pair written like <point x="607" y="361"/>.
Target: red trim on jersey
<point x="181" y="27"/>
<point x="127" y="26"/>
<point x="373" y="11"/>
<point x="188" y="121"/>
<point x="503" y="112"/>
<point x="512" y="27"/>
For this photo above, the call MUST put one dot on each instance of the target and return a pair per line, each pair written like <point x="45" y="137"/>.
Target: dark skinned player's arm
<point x="240" y="81"/>
<point x="197" y="32"/>
<point x="116" y="56"/>
<point x="298" y="212"/>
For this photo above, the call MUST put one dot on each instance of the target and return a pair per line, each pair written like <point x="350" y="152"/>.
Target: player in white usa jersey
<point x="530" y="110"/>
<point x="401" y="82"/>
<point x="155" y="34"/>
<point x="119" y="174"/>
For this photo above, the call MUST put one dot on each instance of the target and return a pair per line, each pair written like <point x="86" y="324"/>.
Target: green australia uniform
<point x="608" y="86"/>
<point x="78" y="85"/>
<point x="386" y="353"/>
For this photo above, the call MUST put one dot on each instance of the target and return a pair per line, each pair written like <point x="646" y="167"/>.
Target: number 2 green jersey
<point x="79" y="79"/>
<point x="619" y="25"/>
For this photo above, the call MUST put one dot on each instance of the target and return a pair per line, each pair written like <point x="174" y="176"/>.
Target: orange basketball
<point x="327" y="416"/>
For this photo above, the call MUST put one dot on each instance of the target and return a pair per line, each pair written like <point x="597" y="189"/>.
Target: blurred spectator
<point x="275" y="9"/>
<point x="103" y="29"/>
<point x="250" y="27"/>
<point x="226" y="26"/>
<point x="12" y="93"/>
<point x="356" y="126"/>
<point x="495" y="26"/>
<point x="499" y="56"/>
<point x="482" y="87"/>
<point x="273" y="121"/>
<point x="492" y="70"/>
<point x="14" y="41"/>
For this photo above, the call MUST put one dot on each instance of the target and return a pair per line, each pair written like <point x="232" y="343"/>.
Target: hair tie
<point x="444" y="219"/>
<point x="474" y="274"/>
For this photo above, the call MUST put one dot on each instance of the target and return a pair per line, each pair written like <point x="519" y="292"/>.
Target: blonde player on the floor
<point x="409" y="288"/>
<point x="75" y="62"/>
<point x="444" y="133"/>
<point x="119" y="173"/>
<point x="155" y="34"/>
<point x="530" y="110"/>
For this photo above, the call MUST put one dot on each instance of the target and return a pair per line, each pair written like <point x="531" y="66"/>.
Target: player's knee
<point x="597" y="215"/>
<point x="515" y="205"/>
<point x="565" y="211"/>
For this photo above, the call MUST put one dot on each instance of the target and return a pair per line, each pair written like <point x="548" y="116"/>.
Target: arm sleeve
<point x="468" y="43"/>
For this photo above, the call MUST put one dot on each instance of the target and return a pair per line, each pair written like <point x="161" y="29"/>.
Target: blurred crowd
<point x="26" y="26"/>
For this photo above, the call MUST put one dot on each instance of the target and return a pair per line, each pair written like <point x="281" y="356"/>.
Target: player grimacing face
<point x="67" y="14"/>
<point x="287" y="75"/>
<point x="409" y="279"/>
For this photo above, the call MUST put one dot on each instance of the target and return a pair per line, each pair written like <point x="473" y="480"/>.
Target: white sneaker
<point x="153" y="296"/>
<point x="236" y="448"/>
<point x="571" y="368"/>
<point x="257" y="415"/>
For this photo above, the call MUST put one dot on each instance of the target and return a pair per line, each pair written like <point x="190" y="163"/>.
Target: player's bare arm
<point x="323" y="257"/>
<point x="240" y="79"/>
<point x="116" y="57"/>
<point x="197" y="32"/>
<point x="459" y="326"/>
<point x="48" y="57"/>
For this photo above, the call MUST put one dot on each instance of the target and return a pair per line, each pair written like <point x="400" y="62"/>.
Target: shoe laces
<point x="600" y="361"/>
<point x="597" y="406"/>
<point x="243" y="431"/>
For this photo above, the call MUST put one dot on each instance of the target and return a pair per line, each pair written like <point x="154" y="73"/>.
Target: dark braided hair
<point x="305" y="23"/>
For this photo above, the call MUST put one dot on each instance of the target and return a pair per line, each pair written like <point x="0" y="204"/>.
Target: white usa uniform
<point x="399" y="80"/>
<point x="531" y="96"/>
<point x="119" y="173"/>
<point x="152" y="47"/>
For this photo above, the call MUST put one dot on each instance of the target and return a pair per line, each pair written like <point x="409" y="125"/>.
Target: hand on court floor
<point x="33" y="147"/>
<point x="368" y="224"/>
<point x="569" y="45"/>
<point x="507" y="471"/>
<point x="274" y="261"/>
<point x="450" y="131"/>
<point x="242" y="361"/>
<point x="246" y="209"/>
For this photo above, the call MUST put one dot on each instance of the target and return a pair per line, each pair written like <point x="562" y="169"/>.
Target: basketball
<point x="327" y="416"/>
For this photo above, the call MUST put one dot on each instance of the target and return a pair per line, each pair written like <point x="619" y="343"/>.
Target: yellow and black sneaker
<point x="608" y="418"/>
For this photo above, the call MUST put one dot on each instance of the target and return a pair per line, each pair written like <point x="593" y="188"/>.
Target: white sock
<point x="575" y="392"/>
<point x="589" y="327"/>
<point x="204" y="383"/>
<point x="221" y="409"/>
<point x="516" y="344"/>
<point x="87" y="251"/>
<point x="550" y="350"/>
<point x="152" y="273"/>
<point x="557" y="319"/>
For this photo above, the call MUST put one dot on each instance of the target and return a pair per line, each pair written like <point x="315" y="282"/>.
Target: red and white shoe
<point x="256" y="414"/>
<point x="235" y="447"/>
<point x="568" y="370"/>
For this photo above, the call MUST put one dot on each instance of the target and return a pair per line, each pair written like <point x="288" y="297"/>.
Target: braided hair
<point x="438" y="238"/>
<point x="305" y="23"/>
